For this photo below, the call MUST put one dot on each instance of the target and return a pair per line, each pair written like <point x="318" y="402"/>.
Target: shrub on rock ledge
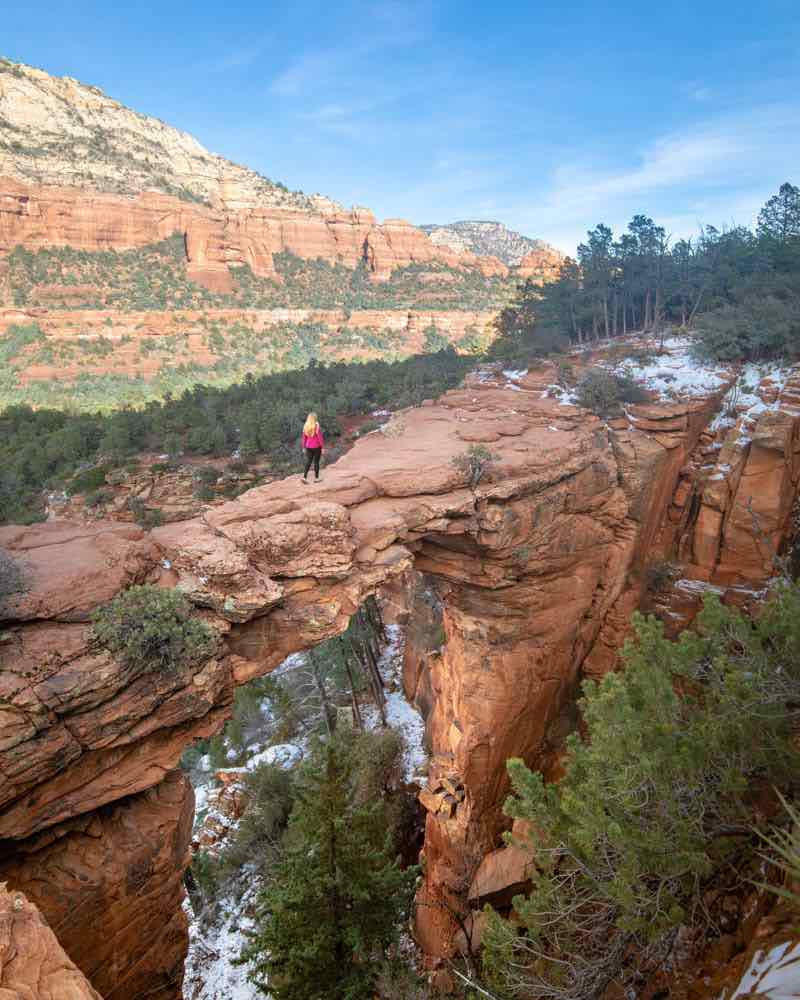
<point x="474" y="463"/>
<point x="152" y="628"/>
<point x="604" y="392"/>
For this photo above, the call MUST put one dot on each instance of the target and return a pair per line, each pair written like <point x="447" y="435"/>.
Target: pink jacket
<point x="315" y="440"/>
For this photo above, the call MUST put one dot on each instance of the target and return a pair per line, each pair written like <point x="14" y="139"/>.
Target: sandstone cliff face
<point x="217" y="237"/>
<point x="79" y="169"/>
<point x="122" y="335"/>
<point x="32" y="962"/>
<point x="535" y="570"/>
<point x="540" y="265"/>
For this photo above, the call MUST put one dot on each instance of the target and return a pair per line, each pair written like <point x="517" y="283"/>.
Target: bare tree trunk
<point x="374" y="616"/>
<point x="330" y="722"/>
<point x="696" y="304"/>
<point x="353" y="699"/>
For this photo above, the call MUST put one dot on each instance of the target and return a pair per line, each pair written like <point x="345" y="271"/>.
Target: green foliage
<point x="337" y="898"/>
<point x="779" y="219"/>
<point x="89" y="480"/>
<point x="154" y="276"/>
<point x="16" y="338"/>
<point x="474" y="463"/>
<point x="98" y="497"/>
<point x="737" y="292"/>
<point x="40" y="448"/>
<point x="759" y="327"/>
<point x="531" y="326"/>
<point x="433" y="340"/>
<point x="144" y="516"/>
<point x="652" y="797"/>
<point x="152" y="628"/>
<point x="603" y="392"/>
<point x="783" y="847"/>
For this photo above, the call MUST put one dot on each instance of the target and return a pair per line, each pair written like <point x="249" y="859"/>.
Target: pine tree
<point x="626" y="838"/>
<point x="779" y="219"/>
<point x="338" y="899"/>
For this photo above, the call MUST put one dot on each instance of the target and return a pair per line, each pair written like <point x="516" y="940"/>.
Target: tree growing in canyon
<point x="652" y="802"/>
<point x="338" y="896"/>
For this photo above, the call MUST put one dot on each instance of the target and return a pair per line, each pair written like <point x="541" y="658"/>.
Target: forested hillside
<point x="736" y="290"/>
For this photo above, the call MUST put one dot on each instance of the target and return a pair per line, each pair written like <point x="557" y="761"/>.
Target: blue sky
<point x="550" y="117"/>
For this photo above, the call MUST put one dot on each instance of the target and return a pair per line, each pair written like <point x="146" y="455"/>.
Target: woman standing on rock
<point x="313" y="442"/>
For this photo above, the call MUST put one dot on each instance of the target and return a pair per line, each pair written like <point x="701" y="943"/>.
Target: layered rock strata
<point x="33" y="965"/>
<point x="79" y="169"/>
<point x="535" y="558"/>
<point x="123" y="333"/>
<point x="219" y="237"/>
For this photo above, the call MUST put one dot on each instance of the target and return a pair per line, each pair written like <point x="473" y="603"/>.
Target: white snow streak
<point x="774" y="974"/>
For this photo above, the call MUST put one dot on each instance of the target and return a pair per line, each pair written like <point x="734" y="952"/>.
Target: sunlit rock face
<point x="534" y="557"/>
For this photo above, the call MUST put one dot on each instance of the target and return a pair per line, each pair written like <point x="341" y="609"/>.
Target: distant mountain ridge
<point x="485" y="239"/>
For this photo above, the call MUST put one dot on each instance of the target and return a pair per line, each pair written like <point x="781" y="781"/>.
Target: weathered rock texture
<point x="79" y="169"/>
<point x="534" y="570"/>
<point x="219" y="236"/>
<point x="33" y="965"/>
<point x="488" y="238"/>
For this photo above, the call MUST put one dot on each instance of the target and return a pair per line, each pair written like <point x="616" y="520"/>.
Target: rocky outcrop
<point x="734" y="509"/>
<point x="79" y="169"/>
<point x="216" y="237"/>
<point x="489" y="239"/>
<point x="33" y="965"/>
<point x="534" y="568"/>
<point x="110" y="882"/>
<point x="540" y="265"/>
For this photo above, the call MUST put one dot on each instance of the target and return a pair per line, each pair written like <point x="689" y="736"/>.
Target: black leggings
<point x="313" y="455"/>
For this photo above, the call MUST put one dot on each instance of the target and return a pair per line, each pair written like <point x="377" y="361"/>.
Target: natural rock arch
<point x="537" y="567"/>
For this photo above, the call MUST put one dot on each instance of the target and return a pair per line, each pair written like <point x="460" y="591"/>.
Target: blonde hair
<point x="311" y="425"/>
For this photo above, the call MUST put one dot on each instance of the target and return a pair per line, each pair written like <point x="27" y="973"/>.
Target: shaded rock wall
<point x="32" y="962"/>
<point x="104" y="876"/>
<point x="536" y="568"/>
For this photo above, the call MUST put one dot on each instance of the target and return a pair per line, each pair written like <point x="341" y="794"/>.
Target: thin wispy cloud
<point x="387" y="24"/>
<point x="239" y="57"/>
<point x="711" y="166"/>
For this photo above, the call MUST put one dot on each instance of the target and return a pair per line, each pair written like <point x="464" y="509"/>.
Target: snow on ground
<point x="677" y="372"/>
<point x="746" y="401"/>
<point x="210" y="973"/>
<point x="284" y="755"/>
<point x="774" y="974"/>
<point x="698" y="587"/>
<point x="400" y="714"/>
<point x="673" y="373"/>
